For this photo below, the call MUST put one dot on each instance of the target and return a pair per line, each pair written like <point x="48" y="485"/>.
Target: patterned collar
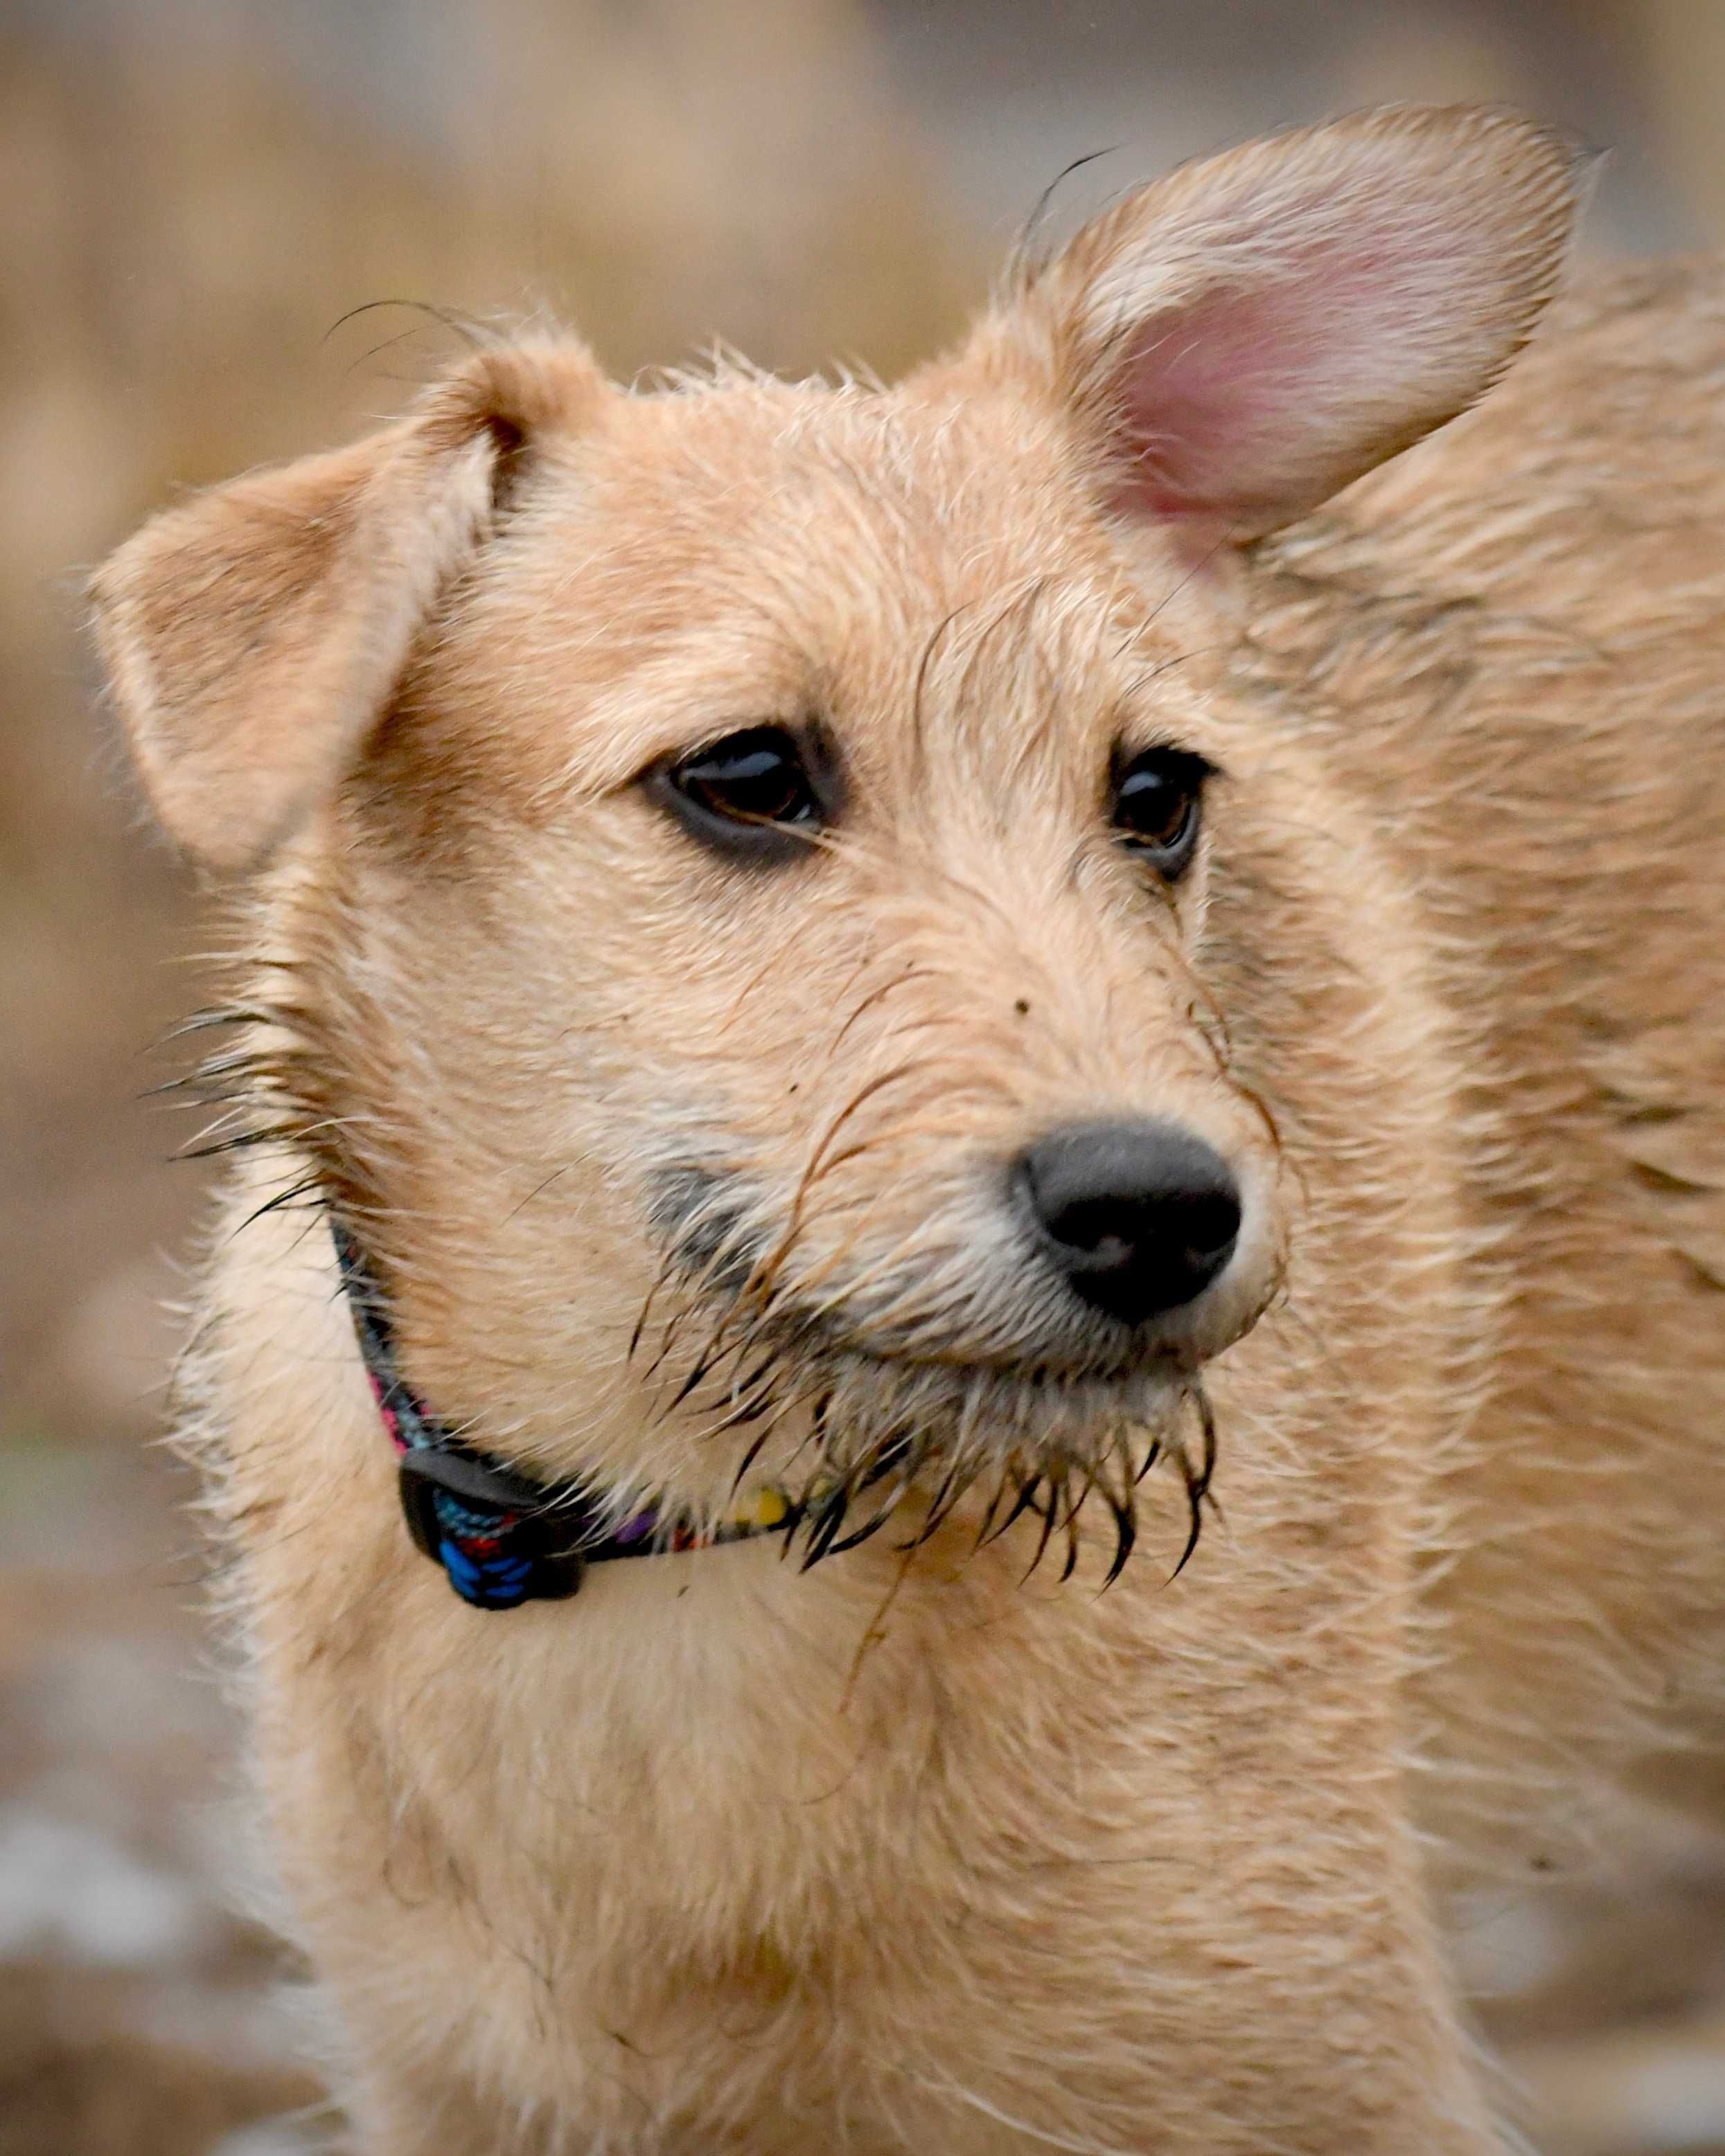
<point x="500" y="1537"/>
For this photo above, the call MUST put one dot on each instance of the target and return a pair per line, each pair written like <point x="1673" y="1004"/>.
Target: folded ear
<point x="252" y="634"/>
<point x="1241" y="339"/>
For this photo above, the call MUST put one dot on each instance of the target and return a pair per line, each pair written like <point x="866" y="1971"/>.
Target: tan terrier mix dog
<point x="886" y="977"/>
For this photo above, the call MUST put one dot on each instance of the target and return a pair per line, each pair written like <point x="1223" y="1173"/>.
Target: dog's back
<point x="1513" y="641"/>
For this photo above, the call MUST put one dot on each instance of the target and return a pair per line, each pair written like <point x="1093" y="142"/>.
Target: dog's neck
<point x="502" y="1538"/>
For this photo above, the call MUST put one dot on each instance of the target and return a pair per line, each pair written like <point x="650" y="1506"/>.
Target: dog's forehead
<point x="889" y="472"/>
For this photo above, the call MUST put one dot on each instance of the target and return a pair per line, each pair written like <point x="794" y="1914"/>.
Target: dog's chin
<point x="1006" y="1406"/>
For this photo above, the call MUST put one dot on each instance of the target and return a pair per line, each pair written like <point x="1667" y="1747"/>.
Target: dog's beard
<point x="931" y="1444"/>
<point x="863" y="1439"/>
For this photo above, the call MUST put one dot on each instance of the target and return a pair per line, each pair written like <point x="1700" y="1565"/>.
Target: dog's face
<point x="815" y="829"/>
<point x="751" y="968"/>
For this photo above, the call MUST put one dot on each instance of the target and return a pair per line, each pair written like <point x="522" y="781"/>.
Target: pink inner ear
<point x="1236" y="404"/>
<point x="1208" y="395"/>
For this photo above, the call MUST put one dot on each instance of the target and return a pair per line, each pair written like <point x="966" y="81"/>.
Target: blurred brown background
<point x="195" y="195"/>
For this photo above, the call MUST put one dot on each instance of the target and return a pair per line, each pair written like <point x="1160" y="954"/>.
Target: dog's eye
<point x="751" y="788"/>
<point x="1158" y="797"/>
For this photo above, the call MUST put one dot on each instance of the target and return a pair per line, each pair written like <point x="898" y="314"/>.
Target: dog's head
<point x="757" y="880"/>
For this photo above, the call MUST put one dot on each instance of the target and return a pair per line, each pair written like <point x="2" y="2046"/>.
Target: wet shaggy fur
<point x="686" y="1169"/>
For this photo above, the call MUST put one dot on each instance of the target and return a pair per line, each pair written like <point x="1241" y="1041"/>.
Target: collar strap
<point x="502" y="1538"/>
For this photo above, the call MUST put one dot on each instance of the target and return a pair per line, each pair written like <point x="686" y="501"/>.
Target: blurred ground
<point x="193" y="193"/>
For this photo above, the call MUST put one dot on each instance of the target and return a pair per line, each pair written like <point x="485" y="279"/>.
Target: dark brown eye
<point x="1158" y="799"/>
<point x="747" y="792"/>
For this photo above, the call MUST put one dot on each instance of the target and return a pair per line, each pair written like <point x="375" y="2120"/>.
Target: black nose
<point x="1141" y="1217"/>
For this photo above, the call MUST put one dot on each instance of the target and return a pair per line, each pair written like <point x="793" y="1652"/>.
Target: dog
<point x="1064" y="1066"/>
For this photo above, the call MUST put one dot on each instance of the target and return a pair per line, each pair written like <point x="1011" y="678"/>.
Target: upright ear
<point x="1241" y="339"/>
<point x="252" y="635"/>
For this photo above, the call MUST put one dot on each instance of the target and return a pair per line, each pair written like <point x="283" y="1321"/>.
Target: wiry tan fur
<point x="909" y="1851"/>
